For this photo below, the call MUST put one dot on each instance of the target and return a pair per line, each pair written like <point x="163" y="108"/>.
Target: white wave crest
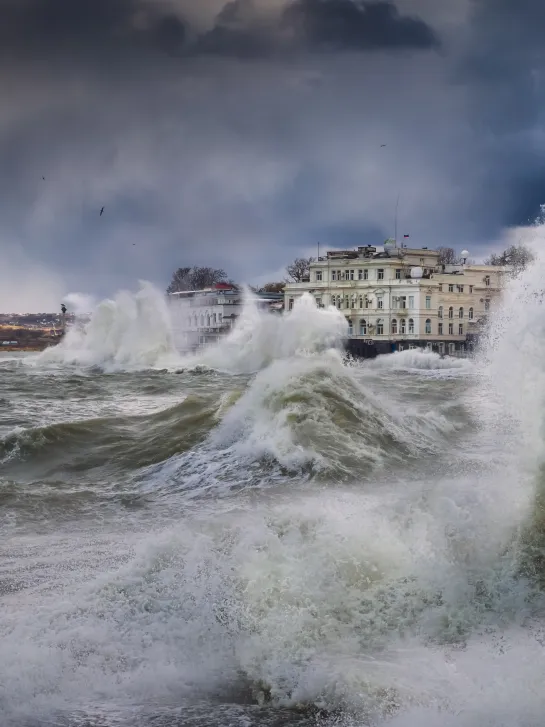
<point x="261" y="337"/>
<point x="128" y="332"/>
<point x="414" y="359"/>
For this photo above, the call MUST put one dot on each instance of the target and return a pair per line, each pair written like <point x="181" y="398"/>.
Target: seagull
<point x="101" y="211"/>
<point x="382" y="145"/>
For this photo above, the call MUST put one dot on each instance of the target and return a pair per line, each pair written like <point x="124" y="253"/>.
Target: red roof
<point x="223" y="286"/>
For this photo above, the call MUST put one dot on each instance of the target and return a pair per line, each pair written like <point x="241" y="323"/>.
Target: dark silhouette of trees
<point x="196" y="278"/>
<point x="447" y="256"/>
<point x="518" y="257"/>
<point x="299" y="269"/>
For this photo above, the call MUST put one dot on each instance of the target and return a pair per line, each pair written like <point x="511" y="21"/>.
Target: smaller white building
<point x="201" y="317"/>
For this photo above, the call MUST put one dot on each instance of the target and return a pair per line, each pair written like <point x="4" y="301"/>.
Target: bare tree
<point x="447" y="256"/>
<point x="516" y="256"/>
<point x="272" y="288"/>
<point x="180" y="280"/>
<point x="196" y="278"/>
<point x="299" y="269"/>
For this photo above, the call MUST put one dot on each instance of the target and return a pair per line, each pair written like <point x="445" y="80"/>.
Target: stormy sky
<point x="241" y="134"/>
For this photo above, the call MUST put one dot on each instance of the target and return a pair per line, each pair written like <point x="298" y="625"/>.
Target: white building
<point x="200" y="317"/>
<point x="402" y="297"/>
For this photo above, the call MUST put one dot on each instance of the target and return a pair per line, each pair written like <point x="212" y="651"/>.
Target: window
<point x="461" y="329"/>
<point x="460" y="313"/>
<point x="202" y="319"/>
<point x="428" y="302"/>
<point x="451" y="288"/>
<point x="428" y="325"/>
<point x="471" y="314"/>
<point x="440" y="311"/>
<point x="380" y="327"/>
<point x="290" y="304"/>
<point x="350" y="327"/>
<point x="351" y="275"/>
<point x="368" y="302"/>
<point x="340" y="276"/>
<point x="353" y="301"/>
<point x="346" y="302"/>
<point x="220" y="317"/>
<point x="380" y="303"/>
<point x="333" y="300"/>
<point x="411" y="301"/>
<point x="208" y="320"/>
<point x="411" y="325"/>
<point x="471" y="289"/>
<point x="440" y="328"/>
<point x="339" y="302"/>
<point x="487" y="280"/>
<point x="487" y="305"/>
<point x="451" y="312"/>
<point x="398" y="273"/>
<point x="363" y="327"/>
<point x="402" y="326"/>
<point x="421" y="261"/>
<point x="380" y="274"/>
<point x="366" y="274"/>
<point x="318" y="276"/>
<point x="451" y="348"/>
<point x="360" y="274"/>
<point x="402" y="301"/>
<point x="440" y="287"/>
<point x="394" y="326"/>
<point x="333" y="275"/>
<point x="319" y="302"/>
<point x="450" y="329"/>
<point x="460" y="288"/>
<point x="361" y="301"/>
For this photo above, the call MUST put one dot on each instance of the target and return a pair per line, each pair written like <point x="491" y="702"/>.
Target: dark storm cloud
<point x="35" y="27"/>
<point x="504" y="69"/>
<point x="46" y="28"/>
<point x="241" y="134"/>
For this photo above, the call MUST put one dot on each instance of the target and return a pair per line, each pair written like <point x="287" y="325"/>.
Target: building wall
<point x="373" y="290"/>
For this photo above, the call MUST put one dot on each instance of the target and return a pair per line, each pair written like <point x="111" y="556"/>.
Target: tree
<point x="196" y="278"/>
<point x="447" y="256"/>
<point x="272" y="288"/>
<point x="299" y="269"/>
<point x="518" y="257"/>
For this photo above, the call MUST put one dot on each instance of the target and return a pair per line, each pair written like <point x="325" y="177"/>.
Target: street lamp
<point x="464" y="255"/>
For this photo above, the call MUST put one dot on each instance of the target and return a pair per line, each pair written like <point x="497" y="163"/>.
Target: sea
<point x="268" y="533"/>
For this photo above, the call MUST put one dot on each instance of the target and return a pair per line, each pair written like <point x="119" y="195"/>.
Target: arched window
<point x="380" y="327"/>
<point x="361" y="301"/>
<point x="394" y="326"/>
<point x="411" y="325"/>
<point x="346" y="301"/>
<point x="471" y="314"/>
<point x="402" y="325"/>
<point x="451" y="312"/>
<point x="350" y="326"/>
<point x="461" y="313"/>
<point x="363" y="327"/>
<point x="354" y="301"/>
<point x="440" y="311"/>
<point x="428" y="325"/>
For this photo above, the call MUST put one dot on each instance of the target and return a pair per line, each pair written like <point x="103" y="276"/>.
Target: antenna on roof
<point x="395" y="221"/>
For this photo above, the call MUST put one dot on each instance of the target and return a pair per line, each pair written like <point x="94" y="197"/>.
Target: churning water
<point x="268" y="534"/>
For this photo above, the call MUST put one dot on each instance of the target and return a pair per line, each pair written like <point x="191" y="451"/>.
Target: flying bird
<point x="101" y="211"/>
<point x="43" y="178"/>
<point x="382" y="145"/>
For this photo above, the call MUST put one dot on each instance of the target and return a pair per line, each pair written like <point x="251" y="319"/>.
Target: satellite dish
<point x="416" y="273"/>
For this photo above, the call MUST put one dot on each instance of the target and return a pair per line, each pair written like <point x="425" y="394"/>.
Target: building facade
<point x="201" y="317"/>
<point x="398" y="297"/>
